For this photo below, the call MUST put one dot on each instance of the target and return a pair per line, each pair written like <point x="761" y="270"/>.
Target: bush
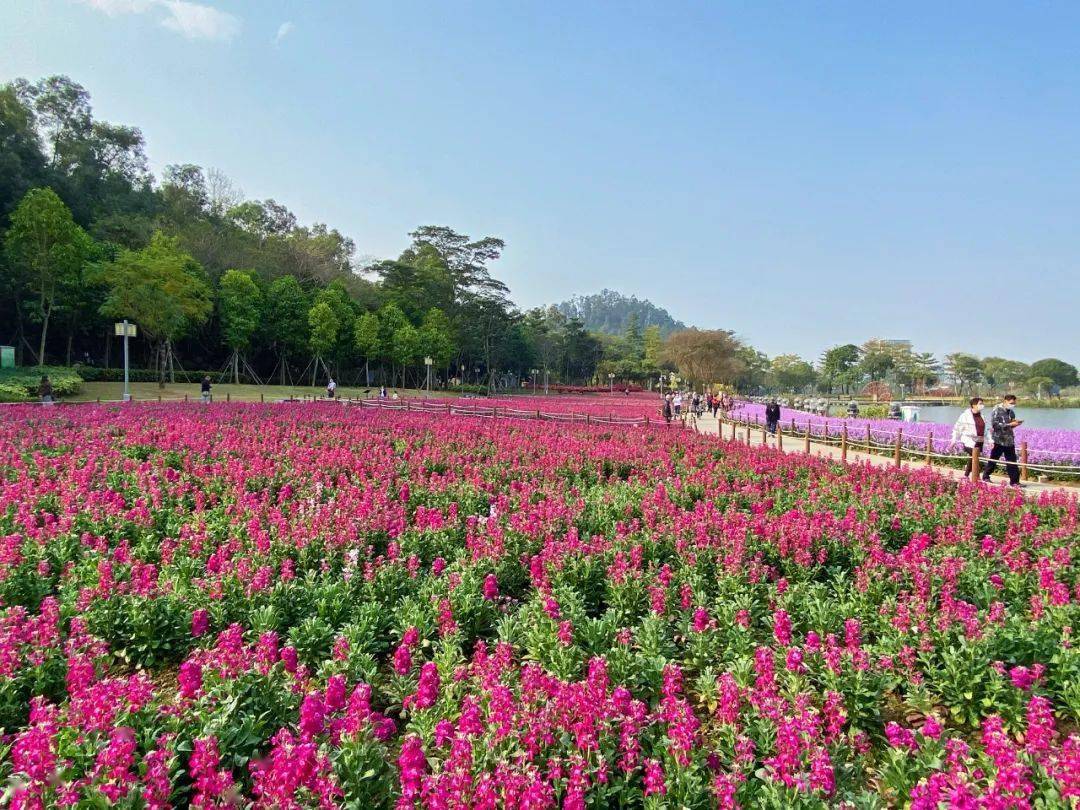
<point x="65" y="381"/>
<point x="12" y="393"/>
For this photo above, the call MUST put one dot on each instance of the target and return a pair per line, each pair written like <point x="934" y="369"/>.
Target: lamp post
<point x="127" y="330"/>
<point x="533" y="372"/>
<point x="611" y="382"/>
<point x="427" y="363"/>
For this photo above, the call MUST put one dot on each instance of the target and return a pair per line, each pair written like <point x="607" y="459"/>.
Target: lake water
<point x="1054" y="418"/>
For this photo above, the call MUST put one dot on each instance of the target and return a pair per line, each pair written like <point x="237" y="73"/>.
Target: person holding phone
<point x="1002" y="423"/>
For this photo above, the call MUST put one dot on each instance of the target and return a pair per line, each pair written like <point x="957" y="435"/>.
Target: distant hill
<point x="609" y="312"/>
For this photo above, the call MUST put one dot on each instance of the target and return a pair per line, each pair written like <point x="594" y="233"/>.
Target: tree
<point x="366" y="339"/>
<point x="965" y="369"/>
<point x="838" y="363"/>
<point x="1001" y="372"/>
<point x="285" y="324"/>
<point x="653" y="344"/>
<point x="391" y="320"/>
<point x="705" y="356"/>
<point x="162" y="289"/>
<point x="240" y="305"/>
<point x="405" y="347"/>
<point x="791" y="372"/>
<point x="22" y="163"/>
<point x="49" y="249"/>
<point x="1063" y="374"/>
<point x="876" y="362"/>
<point x="324" y="326"/>
<point x="435" y="338"/>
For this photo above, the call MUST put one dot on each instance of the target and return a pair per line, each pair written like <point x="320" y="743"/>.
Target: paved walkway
<point x="797" y="444"/>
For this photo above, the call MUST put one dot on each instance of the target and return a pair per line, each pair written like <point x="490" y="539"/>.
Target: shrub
<point x="65" y="381"/>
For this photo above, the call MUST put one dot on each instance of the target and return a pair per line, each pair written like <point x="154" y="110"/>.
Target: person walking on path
<point x="772" y="415"/>
<point x="667" y="409"/>
<point x="970" y="430"/>
<point x="204" y="388"/>
<point x="45" y="390"/>
<point x="1002" y="423"/>
<point x="331" y="389"/>
<point x="677" y="403"/>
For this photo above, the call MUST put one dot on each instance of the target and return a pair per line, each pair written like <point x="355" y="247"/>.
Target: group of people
<point x="696" y="404"/>
<point x="970" y="432"/>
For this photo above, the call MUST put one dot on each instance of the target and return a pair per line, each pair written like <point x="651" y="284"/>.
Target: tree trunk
<point x="162" y="353"/>
<point x="70" y="338"/>
<point x="314" y="370"/>
<point x="44" y="332"/>
<point x="108" y="349"/>
<point x="236" y="368"/>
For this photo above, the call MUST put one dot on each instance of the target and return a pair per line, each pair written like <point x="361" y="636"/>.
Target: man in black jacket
<point x="1002" y="422"/>
<point x="772" y="415"/>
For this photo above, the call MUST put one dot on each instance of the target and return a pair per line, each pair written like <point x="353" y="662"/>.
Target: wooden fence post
<point x="843" y="443"/>
<point x="896" y="449"/>
<point x="448" y="408"/>
<point x="806" y="440"/>
<point x="868" y="440"/>
<point x="159" y="398"/>
<point x="261" y="399"/>
<point x="185" y="397"/>
<point x="930" y="448"/>
<point x="975" y="464"/>
<point x="824" y="432"/>
<point x="228" y="397"/>
<point x="1023" y="461"/>
<point x="779" y="438"/>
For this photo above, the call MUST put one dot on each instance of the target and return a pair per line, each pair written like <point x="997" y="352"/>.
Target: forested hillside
<point x="609" y="312"/>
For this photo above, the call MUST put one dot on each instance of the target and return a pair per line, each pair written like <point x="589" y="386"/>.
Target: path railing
<point x="875" y="441"/>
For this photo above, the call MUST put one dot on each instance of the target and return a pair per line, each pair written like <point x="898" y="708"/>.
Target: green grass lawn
<point x="248" y="393"/>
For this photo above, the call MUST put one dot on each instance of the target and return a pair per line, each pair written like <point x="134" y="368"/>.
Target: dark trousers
<point x="967" y="464"/>
<point x="770" y="426"/>
<point x="1009" y="452"/>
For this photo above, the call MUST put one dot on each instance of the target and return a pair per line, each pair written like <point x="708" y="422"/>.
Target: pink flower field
<point x="316" y="605"/>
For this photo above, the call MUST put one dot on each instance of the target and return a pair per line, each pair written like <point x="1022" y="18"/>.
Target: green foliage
<point x="1063" y="374"/>
<point x="239" y="301"/>
<point x="160" y="288"/>
<point x="324" y="327"/>
<point x="65" y="382"/>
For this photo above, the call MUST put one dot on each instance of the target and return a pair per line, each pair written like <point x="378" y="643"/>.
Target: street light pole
<point x="127" y="384"/>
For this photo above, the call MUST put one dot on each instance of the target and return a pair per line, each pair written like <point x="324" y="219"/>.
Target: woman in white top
<point x="970" y="430"/>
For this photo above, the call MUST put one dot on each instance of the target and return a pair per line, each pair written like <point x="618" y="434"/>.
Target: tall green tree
<point x="366" y="340"/>
<point x="325" y="326"/>
<point x="405" y="348"/>
<point x="240" y="306"/>
<point x="837" y="365"/>
<point x="162" y="289"/>
<point x="965" y="369"/>
<point x="1063" y="374"/>
<point x="48" y="249"/>
<point x="791" y="372"/>
<point x="436" y="338"/>
<point x="285" y="325"/>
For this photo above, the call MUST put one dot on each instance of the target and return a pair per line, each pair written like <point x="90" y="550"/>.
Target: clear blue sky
<point x="802" y="173"/>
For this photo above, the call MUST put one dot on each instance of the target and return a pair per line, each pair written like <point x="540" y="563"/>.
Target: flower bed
<point x="305" y="605"/>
